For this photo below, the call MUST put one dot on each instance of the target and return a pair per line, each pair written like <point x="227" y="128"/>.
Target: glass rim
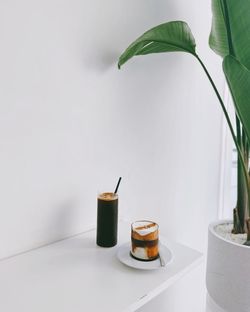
<point x="146" y="221"/>
<point x="114" y="195"/>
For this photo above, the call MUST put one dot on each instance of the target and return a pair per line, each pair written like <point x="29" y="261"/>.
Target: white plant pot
<point x="228" y="272"/>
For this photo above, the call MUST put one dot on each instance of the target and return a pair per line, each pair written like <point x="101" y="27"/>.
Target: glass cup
<point x="107" y="219"/>
<point x="144" y="240"/>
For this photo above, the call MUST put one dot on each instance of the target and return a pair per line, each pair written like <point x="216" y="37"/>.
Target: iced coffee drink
<point x="144" y="240"/>
<point x="107" y="217"/>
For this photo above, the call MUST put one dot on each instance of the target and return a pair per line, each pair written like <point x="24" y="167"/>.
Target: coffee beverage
<point x="144" y="240"/>
<point x="107" y="219"/>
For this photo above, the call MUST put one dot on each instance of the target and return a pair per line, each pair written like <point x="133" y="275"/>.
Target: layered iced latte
<point x="144" y="239"/>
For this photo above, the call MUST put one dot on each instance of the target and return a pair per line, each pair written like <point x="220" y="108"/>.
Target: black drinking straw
<point x="117" y="186"/>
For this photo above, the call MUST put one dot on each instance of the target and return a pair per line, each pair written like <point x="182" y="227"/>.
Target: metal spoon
<point x="162" y="262"/>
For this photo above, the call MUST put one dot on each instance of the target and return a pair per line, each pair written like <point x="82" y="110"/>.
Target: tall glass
<point x="107" y="219"/>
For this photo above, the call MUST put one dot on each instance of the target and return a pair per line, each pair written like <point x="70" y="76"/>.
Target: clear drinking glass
<point x="145" y="240"/>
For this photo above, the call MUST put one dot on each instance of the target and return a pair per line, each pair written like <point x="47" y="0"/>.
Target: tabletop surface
<point x="76" y="275"/>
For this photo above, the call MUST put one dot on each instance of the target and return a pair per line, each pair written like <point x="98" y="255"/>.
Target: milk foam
<point x="108" y="196"/>
<point x="142" y="228"/>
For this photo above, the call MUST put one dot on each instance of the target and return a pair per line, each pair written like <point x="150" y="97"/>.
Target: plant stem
<point x="241" y="185"/>
<point x="241" y="158"/>
<point x="238" y="131"/>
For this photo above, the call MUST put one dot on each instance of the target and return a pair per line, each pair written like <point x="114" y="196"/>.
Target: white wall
<point x="71" y="123"/>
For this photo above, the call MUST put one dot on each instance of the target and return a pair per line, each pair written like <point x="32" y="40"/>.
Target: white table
<point x="75" y="275"/>
<point x="187" y="294"/>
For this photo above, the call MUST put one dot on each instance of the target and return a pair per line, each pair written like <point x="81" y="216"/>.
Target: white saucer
<point x="123" y="254"/>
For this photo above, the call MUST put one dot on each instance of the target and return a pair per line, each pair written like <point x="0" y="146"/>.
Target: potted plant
<point x="228" y="262"/>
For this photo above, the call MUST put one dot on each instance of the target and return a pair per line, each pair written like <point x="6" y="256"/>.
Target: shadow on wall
<point x="119" y="26"/>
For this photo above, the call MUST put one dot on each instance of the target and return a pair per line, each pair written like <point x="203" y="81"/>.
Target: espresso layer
<point x="143" y="243"/>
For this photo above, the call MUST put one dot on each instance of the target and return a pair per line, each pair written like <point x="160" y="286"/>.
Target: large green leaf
<point x="218" y="40"/>
<point x="168" y="37"/>
<point x="230" y="29"/>
<point x="238" y="78"/>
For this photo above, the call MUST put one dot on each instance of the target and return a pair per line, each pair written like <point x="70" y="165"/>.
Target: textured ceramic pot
<point x="228" y="272"/>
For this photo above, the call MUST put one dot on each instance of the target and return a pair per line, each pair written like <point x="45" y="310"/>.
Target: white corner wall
<point x="71" y="123"/>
